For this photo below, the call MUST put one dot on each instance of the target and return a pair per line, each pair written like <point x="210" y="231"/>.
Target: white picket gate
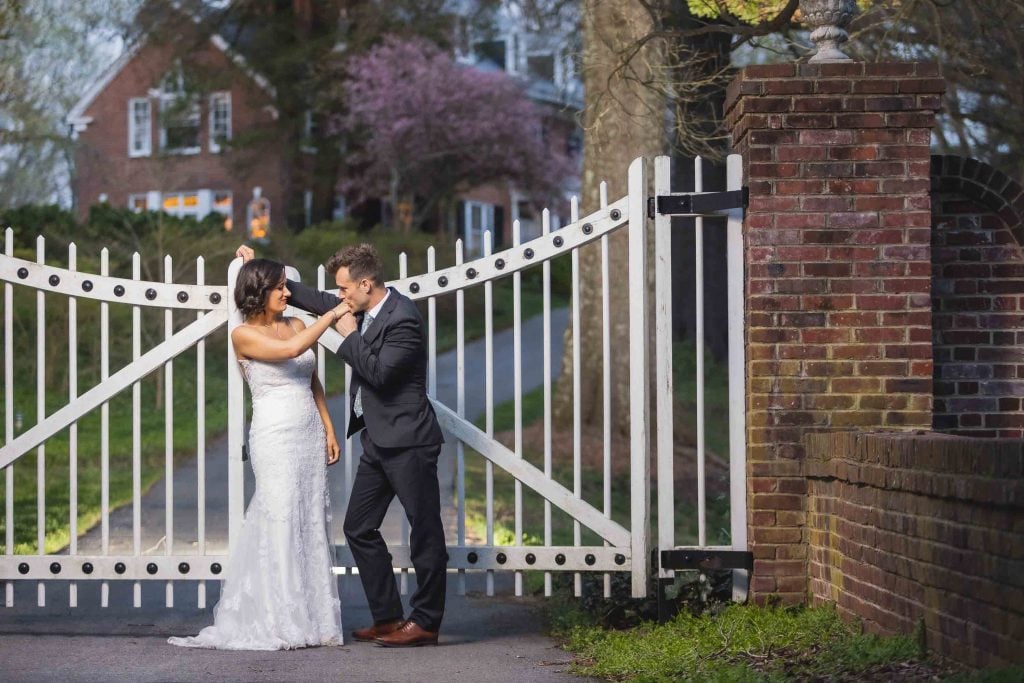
<point x="624" y="547"/>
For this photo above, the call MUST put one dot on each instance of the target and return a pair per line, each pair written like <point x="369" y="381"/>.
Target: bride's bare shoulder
<point x="296" y="324"/>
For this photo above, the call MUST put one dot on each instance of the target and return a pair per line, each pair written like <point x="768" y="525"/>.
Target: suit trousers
<point x="411" y="474"/>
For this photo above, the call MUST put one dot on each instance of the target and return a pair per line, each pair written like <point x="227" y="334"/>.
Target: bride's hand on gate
<point x="245" y="253"/>
<point x="333" y="449"/>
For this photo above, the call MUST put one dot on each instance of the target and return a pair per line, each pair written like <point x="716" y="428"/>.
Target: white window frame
<point x="473" y="235"/>
<point x="182" y="211"/>
<point x="144" y="196"/>
<point x="135" y="134"/>
<point x="171" y="94"/>
<point x="219" y="99"/>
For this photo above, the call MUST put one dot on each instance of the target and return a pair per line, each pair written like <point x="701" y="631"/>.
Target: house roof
<point x="77" y="119"/>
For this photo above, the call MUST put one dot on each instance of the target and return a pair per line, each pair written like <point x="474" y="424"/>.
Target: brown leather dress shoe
<point x="383" y="628"/>
<point x="410" y="634"/>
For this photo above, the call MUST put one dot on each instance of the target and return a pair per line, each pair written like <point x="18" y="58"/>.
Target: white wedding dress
<point x="279" y="591"/>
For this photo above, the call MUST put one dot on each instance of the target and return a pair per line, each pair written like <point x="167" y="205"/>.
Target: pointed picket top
<point x="72" y="256"/>
<point x="574" y="208"/>
<point x="545" y="222"/>
<point x="516" y="232"/>
<point x="200" y="270"/>
<point x="40" y="250"/>
<point x="104" y="261"/>
<point x="459" y="254"/>
<point x="403" y="265"/>
<point x="136" y="265"/>
<point x="698" y="174"/>
<point x="9" y="241"/>
<point x="430" y="258"/>
<point x="488" y="242"/>
<point x="168" y="268"/>
<point x="603" y="193"/>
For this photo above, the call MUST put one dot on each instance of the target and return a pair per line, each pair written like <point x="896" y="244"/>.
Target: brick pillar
<point x="837" y="258"/>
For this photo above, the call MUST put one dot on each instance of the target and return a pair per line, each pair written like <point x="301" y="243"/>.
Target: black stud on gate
<point x="54" y="280"/>
<point x="215" y="298"/>
<point x="23" y="568"/>
<point x="472" y="557"/>
<point x="151" y="568"/>
<point x="558" y="241"/>
<point x="531" y="558"/>
<point x="55" y="567"/>
<point x="87" y="286"/>
<point x="183" y="567"/>
<point x="215" y="568"/>
<point x="615" y="214"/>
<point x="87" y="567"/>
<point x="120" y="568"/>
<point x="559" y="559"/>
<point x="501" y="558"/>
<point x="119" y="290"/>
<point x="414" y="287"/>
<point x="22" y="273"/>
<point x="500" y="264"/>
<point x="150" y="293"/>
<point x="620" y="559"/>
<point x="590" y="559"/>
<point x="182" y="297"/>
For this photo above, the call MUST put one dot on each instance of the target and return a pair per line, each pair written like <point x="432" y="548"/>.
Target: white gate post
<point x="664" y="446"/>
<point x="236" y="417"/>
<point x="737" y="379"/>
<point x="639" y="410"/>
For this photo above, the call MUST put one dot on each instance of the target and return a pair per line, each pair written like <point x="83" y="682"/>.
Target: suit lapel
<point x="378" y="323"/>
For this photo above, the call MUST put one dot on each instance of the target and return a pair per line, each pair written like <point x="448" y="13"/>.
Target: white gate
<point x="625" y="543"/>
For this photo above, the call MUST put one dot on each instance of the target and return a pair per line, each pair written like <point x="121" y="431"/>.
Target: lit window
<point x="182" y="204"/>
<point x="222" y="204"/>
<point x="220" y="119"/>
<point x="139" y="127"/>
<point x="137" y="202"/>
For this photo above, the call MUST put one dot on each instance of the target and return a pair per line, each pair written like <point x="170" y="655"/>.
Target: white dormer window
<point x="220" y="119"/>
<point x="140" y="132"/>
<point x="179" y="116"/>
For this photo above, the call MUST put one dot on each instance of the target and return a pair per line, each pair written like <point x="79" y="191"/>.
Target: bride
<point x="279" y="591"/>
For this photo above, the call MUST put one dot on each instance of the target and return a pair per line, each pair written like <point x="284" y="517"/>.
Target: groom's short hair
<point x="362" y="262"/>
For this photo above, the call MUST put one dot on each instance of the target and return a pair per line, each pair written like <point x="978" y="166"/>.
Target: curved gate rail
<point x="622" y="548"/>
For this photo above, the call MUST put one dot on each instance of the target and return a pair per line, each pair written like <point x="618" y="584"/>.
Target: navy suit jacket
<point x="389" y="363"/>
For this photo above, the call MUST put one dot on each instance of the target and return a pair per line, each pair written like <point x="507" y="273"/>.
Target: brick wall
<point x="978" y="299"/>
<point x="837" y="257"/>
<point x="909" y="529"/>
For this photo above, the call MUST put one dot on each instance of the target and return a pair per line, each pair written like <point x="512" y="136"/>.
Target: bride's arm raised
<point x="250" y="343"/>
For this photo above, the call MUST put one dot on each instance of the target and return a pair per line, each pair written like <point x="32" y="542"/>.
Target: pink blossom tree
<point x="433" y="128"/>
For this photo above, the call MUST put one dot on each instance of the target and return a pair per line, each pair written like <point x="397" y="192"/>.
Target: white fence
<point x="624" y="544"/>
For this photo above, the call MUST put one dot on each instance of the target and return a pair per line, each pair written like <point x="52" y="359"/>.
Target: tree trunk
<point x="623" y="119"/>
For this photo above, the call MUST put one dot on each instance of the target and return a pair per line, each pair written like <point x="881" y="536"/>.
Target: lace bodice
<point x="265" y="377"/>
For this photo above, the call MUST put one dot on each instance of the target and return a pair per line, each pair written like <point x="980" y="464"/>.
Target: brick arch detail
<point x="984" y="184"/>
<point x="977" y="299"/>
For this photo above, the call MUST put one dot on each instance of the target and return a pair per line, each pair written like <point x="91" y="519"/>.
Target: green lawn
<point x="742" y="643"/>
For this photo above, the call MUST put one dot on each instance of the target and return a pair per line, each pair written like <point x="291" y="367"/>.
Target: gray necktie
<point x="357" y="405"/>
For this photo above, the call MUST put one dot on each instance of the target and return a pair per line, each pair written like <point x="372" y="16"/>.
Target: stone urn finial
<point x="828" y="19"/>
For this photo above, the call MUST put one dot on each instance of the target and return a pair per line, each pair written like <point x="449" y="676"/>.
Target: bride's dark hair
<point x="255" y="280"/>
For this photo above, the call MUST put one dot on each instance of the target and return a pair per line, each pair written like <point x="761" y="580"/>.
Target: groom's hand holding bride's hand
<point x="333" y="449"/>
<point x="346" y="323"/>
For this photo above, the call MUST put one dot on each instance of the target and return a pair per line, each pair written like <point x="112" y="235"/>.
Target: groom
<point x="386" y="349"/>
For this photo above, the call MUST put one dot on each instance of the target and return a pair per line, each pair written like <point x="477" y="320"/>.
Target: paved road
<point x="484" y="639"/>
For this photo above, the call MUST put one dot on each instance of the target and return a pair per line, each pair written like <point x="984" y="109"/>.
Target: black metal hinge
<point x="705" y="560"/>
<point x="694" y="204"/>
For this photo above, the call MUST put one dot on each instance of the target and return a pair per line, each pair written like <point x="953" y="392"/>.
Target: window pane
<point x="541" y="66"/>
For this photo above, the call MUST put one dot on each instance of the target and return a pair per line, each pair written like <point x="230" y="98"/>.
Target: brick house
<point x="147" y="141"/>
<point x="150" y="139"/>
